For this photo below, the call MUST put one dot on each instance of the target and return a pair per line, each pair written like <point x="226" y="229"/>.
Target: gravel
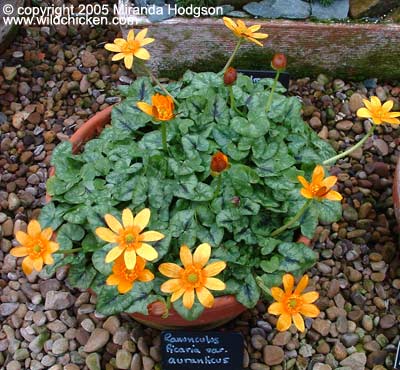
<point x="51" y="81"/>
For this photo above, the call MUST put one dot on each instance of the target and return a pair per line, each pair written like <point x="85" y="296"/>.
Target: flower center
<point x="293" y="304"/>
<point x="192" y="278"/>
<point x="37" y="248"/>
<point x="129" y="275"/>
<point x="130" y="238"/>
<point x="131" y="47"/>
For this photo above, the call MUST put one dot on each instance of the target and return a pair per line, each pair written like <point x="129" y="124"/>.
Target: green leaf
<point x="270" y="265"/>
<point x="190" y="315"/>
<point x="110" y="302"/>
<point x="99" y="263"/>
<point x="52" y="216"/>
<point x="90" y="243"/>
<point x="296" y="257"/>
<point x="81" y="276"/>
<point x="249" y="292"/>
<point x="68" y="234"/>
<point x="253" y="129"/>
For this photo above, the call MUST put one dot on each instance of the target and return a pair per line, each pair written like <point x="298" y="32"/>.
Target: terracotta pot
<point x="396" y="191"/>
<point x="225" y="308"/>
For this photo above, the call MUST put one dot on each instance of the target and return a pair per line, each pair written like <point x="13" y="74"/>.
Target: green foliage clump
<point x="126" y="167"/>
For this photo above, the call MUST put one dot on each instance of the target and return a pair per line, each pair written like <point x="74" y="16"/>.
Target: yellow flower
<point x="125" y="278"/>
<point x="193" y="276"/>
<point x="248" y="33"/>
<point x="161" y="108"/>
<point x="36" y="246"/>
<point x="129" y="237"/>
<point x="291" y="304"/>
<point x="131" y="47"/>
<point x="319" y="188"/>
<point x="377" y="112"/>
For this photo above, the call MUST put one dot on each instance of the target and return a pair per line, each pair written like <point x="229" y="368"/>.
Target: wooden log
<point x="355" y="51"/>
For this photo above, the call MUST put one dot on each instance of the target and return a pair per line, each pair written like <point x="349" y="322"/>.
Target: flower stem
<point x="352" y="149"/>
<point x="164" y="136"/>
<point x="218" y="188"/>
<point x="269" y="102"/>
<point x="158" y="83"/>
<point x="293" y="220"/>
<point x="67" y="251"/>
<point x="233" y="102"/>
<point x="263" y="286"/>
<point x="229" y="62"/>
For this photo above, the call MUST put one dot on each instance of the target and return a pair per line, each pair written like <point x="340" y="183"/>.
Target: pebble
<point x="273" y="355"/>
<point x="98" y="339"/>
<point x="93" y="361"/>
<point x="123" y="359"/>
<point x="355" y="361"/>
<point x="60" y="346"/>
<point x="58" y="300"/>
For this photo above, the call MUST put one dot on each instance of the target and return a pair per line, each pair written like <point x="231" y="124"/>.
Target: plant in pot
<point x="187" y="207"/>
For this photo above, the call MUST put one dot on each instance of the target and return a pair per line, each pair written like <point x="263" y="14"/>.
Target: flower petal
<point x="177" y="294"/>
<point x="364" y="113"/>
<point x="229" y="23"/>
<point x="34" y="228"/>
<point x="128" y="60"/>
<point x="301" y="285"/>
<point x="284" y="322"/>
<point x="254" y="40"/>
<point x="147" y="252"/>
<point x="19" y="251"/>
<point x="309" y="310"/>
<point x="275" y="308"/>
<point x="118" y="57"/>
<point x="394" y="121"/>
<point x="127" y="217"/>
<point x="277" y="293"/>
<point x="205" y="297"/>
<point x="120" y="42"/>
<point x="254" y="28"/>
<point x="141" y="35"/>
<point x="393" y="114"/>
<point x="188" y="299"/>
<point x="113" y="47"/>
<point x="27" y="265"/>
<point x="142" y="53"/>
<point x="130" y="259"/>
<point x="151" y="236"/>
<point x="48" y="259"/>
<point x="306" y="193"/>
<point x="202" y="254"/>
<point x="113" y="254"/>
<point x="113" y="223"/>
<point x="47" y="233"/>
<point x="170" y="270"/>
<point x="171" y="285"/>
<point x="259" y="35"/>
<point x="53" y="247"/>
<point x="387" y="107"/>
<point x="22" y="237"/>
<point x="131" y="36"/>
<point x="125" y="286"/>
<point x="145" y="107"/>
<point x="333" y="195"/>
<point x="310" y="297"/>
<point x="186" y="256"/>
<point x="106" y="234"/>
<point x="146" y="275"/>
<point x="303" y="181"/>
<point x="367" y="103"/>
<point x="38" y="264"/>
<point x="146" y="41"/>
<point x="288" y="283"/>
<point x="329" y="182"/>
<point x="298" y="322"/>
<point x="214" y="284"/>
<point x="214" y="268"/>
<point x="113" y="280"/>
<point x="375" y="102"/>
<point x="318" y="175"/>
<point x="142" y="219"/>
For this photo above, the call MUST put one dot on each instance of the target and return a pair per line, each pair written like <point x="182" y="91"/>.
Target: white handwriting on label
<point x="170" y="348"/>
<point x="207" y="360"/>
<point x="169" y="337"/>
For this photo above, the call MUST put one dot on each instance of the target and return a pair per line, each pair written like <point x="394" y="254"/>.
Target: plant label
<point x="191" y="350"/>
<point x="397" y="360"/>
<point x="259" y="74"/>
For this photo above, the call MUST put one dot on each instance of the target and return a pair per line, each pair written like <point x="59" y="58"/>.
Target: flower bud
<point x="219" y="163"/>
<point x="230" y="76"/>
<point x="279" y="62"/>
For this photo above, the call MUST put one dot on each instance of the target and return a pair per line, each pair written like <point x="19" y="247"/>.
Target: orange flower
<point x="319" y="188"/>
<point x="161" y="108"/>
<point x="36" y="246"/>
<point x="219" y="163"/>
<point x="130" y="48"/>
<point x="193" y="276"/>
<point x="377" y="112"/>
<point x="125" y="278"/>
<point x="129" y="237"/>
<point x="244" y="32"/>
<point x="291" y="304"/>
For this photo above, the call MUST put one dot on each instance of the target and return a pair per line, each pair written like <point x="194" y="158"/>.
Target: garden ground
<point x="52" y="80"/>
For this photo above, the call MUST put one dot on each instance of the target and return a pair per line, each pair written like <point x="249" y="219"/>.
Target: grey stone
<point x="58" y="300"/>
<point x="161" y="13"/>
<point x="339" y="9"/>
<point x="97" y="340"/>
<point x="356" y="361"/>
<point x="292" y="9"/>
<point x="60" y="346"/>
<point x="93" y="361"/>
<point x="7" y="309"/>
